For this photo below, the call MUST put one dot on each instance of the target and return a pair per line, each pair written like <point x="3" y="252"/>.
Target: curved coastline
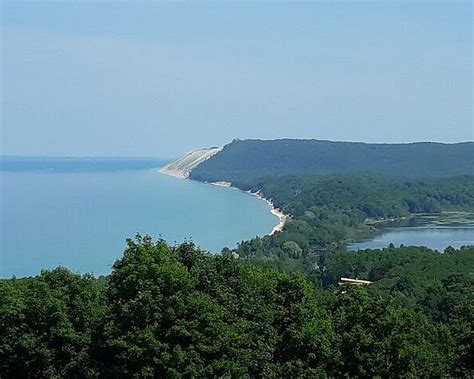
<point x="282" y="217"/>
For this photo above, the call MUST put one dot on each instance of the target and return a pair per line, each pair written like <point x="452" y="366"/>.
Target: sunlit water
<point x="81" y="219"/>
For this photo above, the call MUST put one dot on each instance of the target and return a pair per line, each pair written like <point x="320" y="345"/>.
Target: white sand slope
<point x="181" y="167"/>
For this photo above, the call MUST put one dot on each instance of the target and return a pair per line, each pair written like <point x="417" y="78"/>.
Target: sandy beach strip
<point x="222" y="184"/>
<point x="282" y="217"/>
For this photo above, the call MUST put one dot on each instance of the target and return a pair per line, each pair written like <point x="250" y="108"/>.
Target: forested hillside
<point x="255" y="158"/>
<point x="328" y="210"/>
<point x="178" y="312"/>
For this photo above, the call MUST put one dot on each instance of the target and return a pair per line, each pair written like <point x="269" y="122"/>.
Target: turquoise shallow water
<point x="80" y="219"/>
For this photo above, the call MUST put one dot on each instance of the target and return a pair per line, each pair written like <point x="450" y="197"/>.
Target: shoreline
<point x="173" y="173"/>
<point x="282" y="217"/>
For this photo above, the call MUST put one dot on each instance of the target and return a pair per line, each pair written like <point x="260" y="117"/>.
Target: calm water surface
<point x="80" y="219"/>
<point x="432" y="236"/>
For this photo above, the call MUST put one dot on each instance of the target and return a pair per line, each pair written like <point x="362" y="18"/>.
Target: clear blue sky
<point x="156" y="79"/>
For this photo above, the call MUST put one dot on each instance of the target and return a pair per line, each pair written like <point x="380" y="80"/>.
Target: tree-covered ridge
<point x="256" y="158"/>
<point x="178" y="312"/>
<point x="327" y="211"/>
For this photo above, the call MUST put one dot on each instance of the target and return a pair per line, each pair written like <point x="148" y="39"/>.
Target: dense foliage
<point x="178" y="312"/>
<point x="327" y="211"/>
<point x="49" y="325"/>
<point x="256" y="158"/>
<point x="439" y="285"/>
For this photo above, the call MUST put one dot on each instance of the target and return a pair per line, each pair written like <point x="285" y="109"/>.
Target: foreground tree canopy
<point x="179" y="312"/>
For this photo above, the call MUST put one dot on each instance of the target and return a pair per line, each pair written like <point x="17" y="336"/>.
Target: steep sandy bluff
<point x="181" y="167"/>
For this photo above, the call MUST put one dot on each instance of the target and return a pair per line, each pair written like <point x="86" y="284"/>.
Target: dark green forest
<point x="180" y="312"/>
<point x="329" y="210"/>
<point x="257" y="158"/>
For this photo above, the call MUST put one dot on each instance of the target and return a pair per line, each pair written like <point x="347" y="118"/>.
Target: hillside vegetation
<point x="179" y="312"/>
<point x="338" y="191"/>
<point x="329" y="210"/>
<point x="255" y="158"/>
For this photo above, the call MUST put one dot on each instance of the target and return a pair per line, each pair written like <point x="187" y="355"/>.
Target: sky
<point x="157" y="79"/>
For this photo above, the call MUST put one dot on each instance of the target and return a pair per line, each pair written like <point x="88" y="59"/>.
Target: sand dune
<point x="181" y="167"/>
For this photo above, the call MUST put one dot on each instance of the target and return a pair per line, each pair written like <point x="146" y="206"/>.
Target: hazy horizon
<point x="165" y="158"/>
<point x="157" y="79"/>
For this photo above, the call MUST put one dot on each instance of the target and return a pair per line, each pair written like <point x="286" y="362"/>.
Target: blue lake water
<point x="80" y="216"/>
<point x="432" y="236"/>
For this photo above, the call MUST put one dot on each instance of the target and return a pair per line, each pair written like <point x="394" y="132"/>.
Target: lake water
<point x="79" y="215"/>
<point x="432" y="236"/>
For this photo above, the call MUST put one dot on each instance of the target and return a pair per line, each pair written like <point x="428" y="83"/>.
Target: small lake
<point x="422" y="231"/>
